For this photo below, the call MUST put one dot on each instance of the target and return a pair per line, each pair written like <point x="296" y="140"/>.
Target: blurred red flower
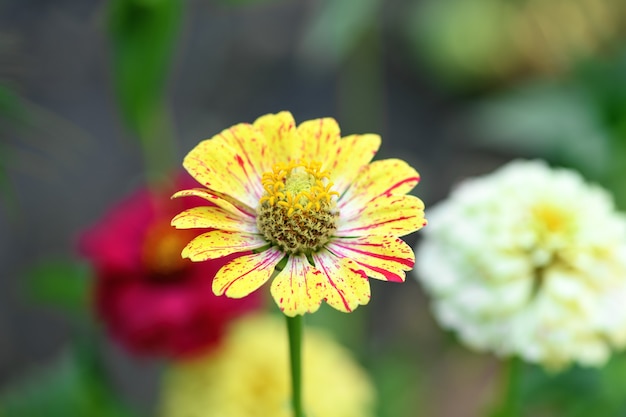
<point x="149" y="298"/>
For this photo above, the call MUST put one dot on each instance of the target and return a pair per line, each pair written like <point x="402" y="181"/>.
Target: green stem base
<point x="294" y="328"/>
<point x="510" y="401"/>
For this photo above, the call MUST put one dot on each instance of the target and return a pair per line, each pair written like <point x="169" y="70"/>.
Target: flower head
<point x="529" y="261"/>
<point x="248" y="376"/>
<point x="150" y="299"/>
<point x="308" y="204"/>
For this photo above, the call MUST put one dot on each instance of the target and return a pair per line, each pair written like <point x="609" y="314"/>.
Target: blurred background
<point x="98" y="98"/>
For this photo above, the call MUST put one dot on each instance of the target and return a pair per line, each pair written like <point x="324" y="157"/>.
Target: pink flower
<point x="151" y="300"/>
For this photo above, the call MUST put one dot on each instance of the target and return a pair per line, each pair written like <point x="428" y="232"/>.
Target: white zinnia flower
<point x="529" y="261"/>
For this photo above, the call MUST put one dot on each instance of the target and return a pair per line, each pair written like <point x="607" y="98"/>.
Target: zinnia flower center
<point x="553" y="219"/>
<point x="297" y="213"/>
<point x="161" y="249"/>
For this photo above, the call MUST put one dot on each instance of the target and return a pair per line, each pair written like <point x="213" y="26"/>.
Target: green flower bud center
<point x="298" y="211"/>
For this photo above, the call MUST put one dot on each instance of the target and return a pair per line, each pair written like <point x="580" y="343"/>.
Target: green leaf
<point x="60" y="283"/>
<point x="143" y="35"/>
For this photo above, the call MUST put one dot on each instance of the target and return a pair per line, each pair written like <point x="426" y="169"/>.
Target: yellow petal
<point x="318" y="139"/>
<point x="381" y="257"/>
<point x="227" y="203"/>
<point x="252" y="146"/>
<point x="245" y="274"/>
<point x="228" y="163"/>
<point x="211" y="217"/>
<point x="280" y="134"/>
<point x="389" y="176"/>
<point x="346" y="287"/>
<point x="298" y="288"/>
<point x="395" y="215"/>
<point x="352" y="154"/>
<point x="218" y="243"/>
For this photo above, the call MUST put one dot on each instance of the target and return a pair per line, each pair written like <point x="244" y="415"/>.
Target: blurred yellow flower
<point x="248" y="376"/>
<point x="306" y="203"/>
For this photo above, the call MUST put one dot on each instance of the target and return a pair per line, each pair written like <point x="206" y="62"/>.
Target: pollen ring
<point x="298" y="211"/>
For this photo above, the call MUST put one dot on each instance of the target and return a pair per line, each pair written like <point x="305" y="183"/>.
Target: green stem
<point x="158" y="143"/>
<point x="510" y="401"/>
<point x="294" y="328"/>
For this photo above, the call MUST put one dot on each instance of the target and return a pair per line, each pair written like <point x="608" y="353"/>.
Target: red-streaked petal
<point x="211" y="217"/>
<point x="346" y="286"/>
<point x="218" y="243"/>
<point x="381" y="257"/>
<point x="318" y="139"/>
<point x="351" y="155"/>
<point x="252" y="145"/>
<point x="386" y="177"/>
<point x="221" y="164"/>
<point x="298" y="288"/>
<point x="246" y="274"/>
<point x="223" y="201"/>
<point x="395" y="215"/>
<point x="280" y="134"/>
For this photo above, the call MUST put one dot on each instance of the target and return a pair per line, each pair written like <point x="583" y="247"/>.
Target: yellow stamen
<point x="297" y="212"/>
<point x="552" y="218"/>
<point x="297" y="186"/>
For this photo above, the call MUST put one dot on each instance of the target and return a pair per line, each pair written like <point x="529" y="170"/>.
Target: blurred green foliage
<point x="11" y="109"/>
<point x="72" y="386"/>
<point x="463" y="41"/>
<point x="577" y="392"/>
<point x="336" y="29"/>
<point x="61" y="283"/>
<point x="577" y="121"/>
<point x="529" y="390"/>
<point x="12" y="113"/>
<point x="470" y="44"/>
<point x="544" y="119"/>
<point x="244" y="2"/>
<point x="75" y="384"/>
<point x="397" y="385"/>
<point x="143" y="38"/>
<point x="143" y="35"/>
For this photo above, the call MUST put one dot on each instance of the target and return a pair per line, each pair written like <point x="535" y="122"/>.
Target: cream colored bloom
<point x="248" y="376"/>
<point x="529" y="261"/>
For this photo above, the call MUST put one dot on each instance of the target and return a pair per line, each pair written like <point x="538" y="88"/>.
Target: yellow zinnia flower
<point x="248" y="376"/>
<point x="307" y="197"/>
